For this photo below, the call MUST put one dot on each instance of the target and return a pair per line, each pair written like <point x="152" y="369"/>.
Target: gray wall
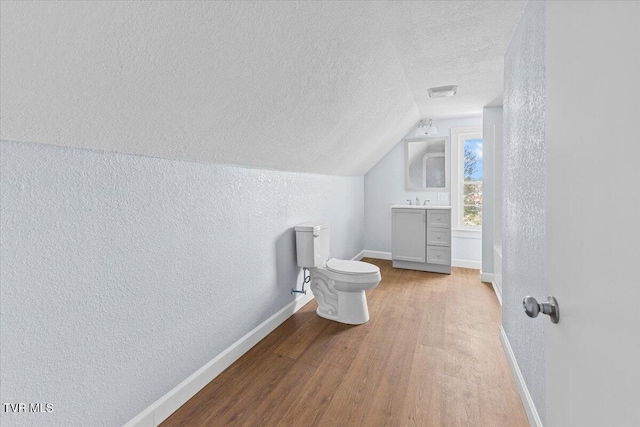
<point x="491" y="118"/>
<point x="384" y="186"/>
<point x="523" y="239"/>
<point x="122" y="275"/>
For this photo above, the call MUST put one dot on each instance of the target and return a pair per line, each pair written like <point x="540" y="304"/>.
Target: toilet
<point x="337" y="284"/>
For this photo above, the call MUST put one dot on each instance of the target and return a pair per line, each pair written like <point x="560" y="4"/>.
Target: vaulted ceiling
<point x="322" y="87"/>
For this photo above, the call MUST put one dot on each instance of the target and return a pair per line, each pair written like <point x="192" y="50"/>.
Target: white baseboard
<point x="496" y="289"/>
<point x="465" y="263"/>
<point x="359" y="256"/>
<point x="491" y="278"/>
<point x="170" y="402"/>
<point x="486" y="277"/>
<point x="377" y="255"/>
<point x="496" y="282"/>
<point x="527" y="401"/>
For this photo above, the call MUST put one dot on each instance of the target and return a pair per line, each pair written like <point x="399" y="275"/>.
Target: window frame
<point x="458" y="135"/>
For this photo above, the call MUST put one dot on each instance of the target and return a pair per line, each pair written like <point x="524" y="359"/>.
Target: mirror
<point x="427" y="164"/>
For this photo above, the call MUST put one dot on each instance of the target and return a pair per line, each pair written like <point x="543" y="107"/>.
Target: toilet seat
<point x="348" y="267"/>
<point x="352" y="275"/>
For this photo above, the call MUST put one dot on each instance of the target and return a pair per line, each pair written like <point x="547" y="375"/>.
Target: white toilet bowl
<point x="339" y="287"/>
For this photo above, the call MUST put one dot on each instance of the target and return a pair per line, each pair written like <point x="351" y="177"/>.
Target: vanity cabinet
<point x="421" y="238"/>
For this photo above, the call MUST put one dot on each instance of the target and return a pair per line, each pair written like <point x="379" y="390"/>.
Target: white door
<point x="593" y="213"/>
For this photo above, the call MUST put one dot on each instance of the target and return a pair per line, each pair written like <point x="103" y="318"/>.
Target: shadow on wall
<point x="287" y="270"/>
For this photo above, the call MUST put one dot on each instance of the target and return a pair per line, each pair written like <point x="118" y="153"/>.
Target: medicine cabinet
<point x="427" y="164"/>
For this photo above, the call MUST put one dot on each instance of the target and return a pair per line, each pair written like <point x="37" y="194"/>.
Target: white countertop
<point x="420" y="207"/>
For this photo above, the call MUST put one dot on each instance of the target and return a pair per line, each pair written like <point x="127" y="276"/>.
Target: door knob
<point x="550" y="308"/>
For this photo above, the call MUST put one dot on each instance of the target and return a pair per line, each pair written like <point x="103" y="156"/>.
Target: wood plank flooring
<point x="430" y="356"/>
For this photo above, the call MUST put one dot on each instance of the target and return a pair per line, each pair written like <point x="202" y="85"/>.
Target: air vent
<point x="442" y="91"/>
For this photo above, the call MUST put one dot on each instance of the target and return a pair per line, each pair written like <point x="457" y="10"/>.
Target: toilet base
<point x="352" y="309"/>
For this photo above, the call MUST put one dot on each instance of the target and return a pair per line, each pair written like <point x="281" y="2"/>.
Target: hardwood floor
<point x="430" y="356"/>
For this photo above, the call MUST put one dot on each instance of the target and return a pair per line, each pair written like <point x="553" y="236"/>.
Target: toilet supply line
<point x="306" y="279"/>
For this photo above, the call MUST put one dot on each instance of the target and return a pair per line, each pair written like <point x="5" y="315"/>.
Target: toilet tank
<point x="312" y="244"/>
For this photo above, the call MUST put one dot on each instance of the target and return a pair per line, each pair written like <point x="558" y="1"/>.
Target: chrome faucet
<point x="409" y="200"/>
<point x="425" y="202"/>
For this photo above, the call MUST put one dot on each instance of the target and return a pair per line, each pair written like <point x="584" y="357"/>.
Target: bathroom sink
<point x="421" y="207"/>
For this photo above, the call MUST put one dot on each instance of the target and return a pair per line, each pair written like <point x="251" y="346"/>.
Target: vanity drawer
<point x="439" y="218"/>
<point x="439" y="255"/>
<point x="439" y="236"/>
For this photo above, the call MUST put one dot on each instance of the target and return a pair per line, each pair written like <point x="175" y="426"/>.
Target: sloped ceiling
<point x="321" y="87"/>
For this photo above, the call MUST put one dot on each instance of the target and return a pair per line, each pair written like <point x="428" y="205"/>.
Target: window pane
<point x="473" y="159"/>
<point x="472" y="200"/>
<point x="472" y="194"/>
<point x="472" y="216"/>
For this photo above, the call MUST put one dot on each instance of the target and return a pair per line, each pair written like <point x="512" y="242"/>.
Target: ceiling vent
<point x="442" y="91"/>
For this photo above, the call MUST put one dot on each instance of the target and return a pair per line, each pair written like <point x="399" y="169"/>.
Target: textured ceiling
<point x="322" y="87"/>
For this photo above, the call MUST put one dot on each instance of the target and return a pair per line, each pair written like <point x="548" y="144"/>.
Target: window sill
<point x="466" y="233"/>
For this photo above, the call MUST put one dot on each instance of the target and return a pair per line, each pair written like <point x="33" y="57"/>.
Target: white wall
<point x="491" y="124"/>
<point x="523" y="228"/>
<point x="122" y="275"/>
<point x="385" y="186"/>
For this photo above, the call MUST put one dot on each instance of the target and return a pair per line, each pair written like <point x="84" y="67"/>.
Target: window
<point x="472" y="182"/>
<point x="466" y="182"/>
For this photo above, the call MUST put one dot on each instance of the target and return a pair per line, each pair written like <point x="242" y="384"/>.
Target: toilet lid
<point x="351" y="267"/>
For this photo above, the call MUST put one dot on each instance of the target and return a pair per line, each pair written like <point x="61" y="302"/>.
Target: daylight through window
<point x="472" y="183"/>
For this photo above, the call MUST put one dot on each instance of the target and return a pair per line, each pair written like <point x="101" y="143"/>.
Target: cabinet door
<point x="409" y="235"/>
